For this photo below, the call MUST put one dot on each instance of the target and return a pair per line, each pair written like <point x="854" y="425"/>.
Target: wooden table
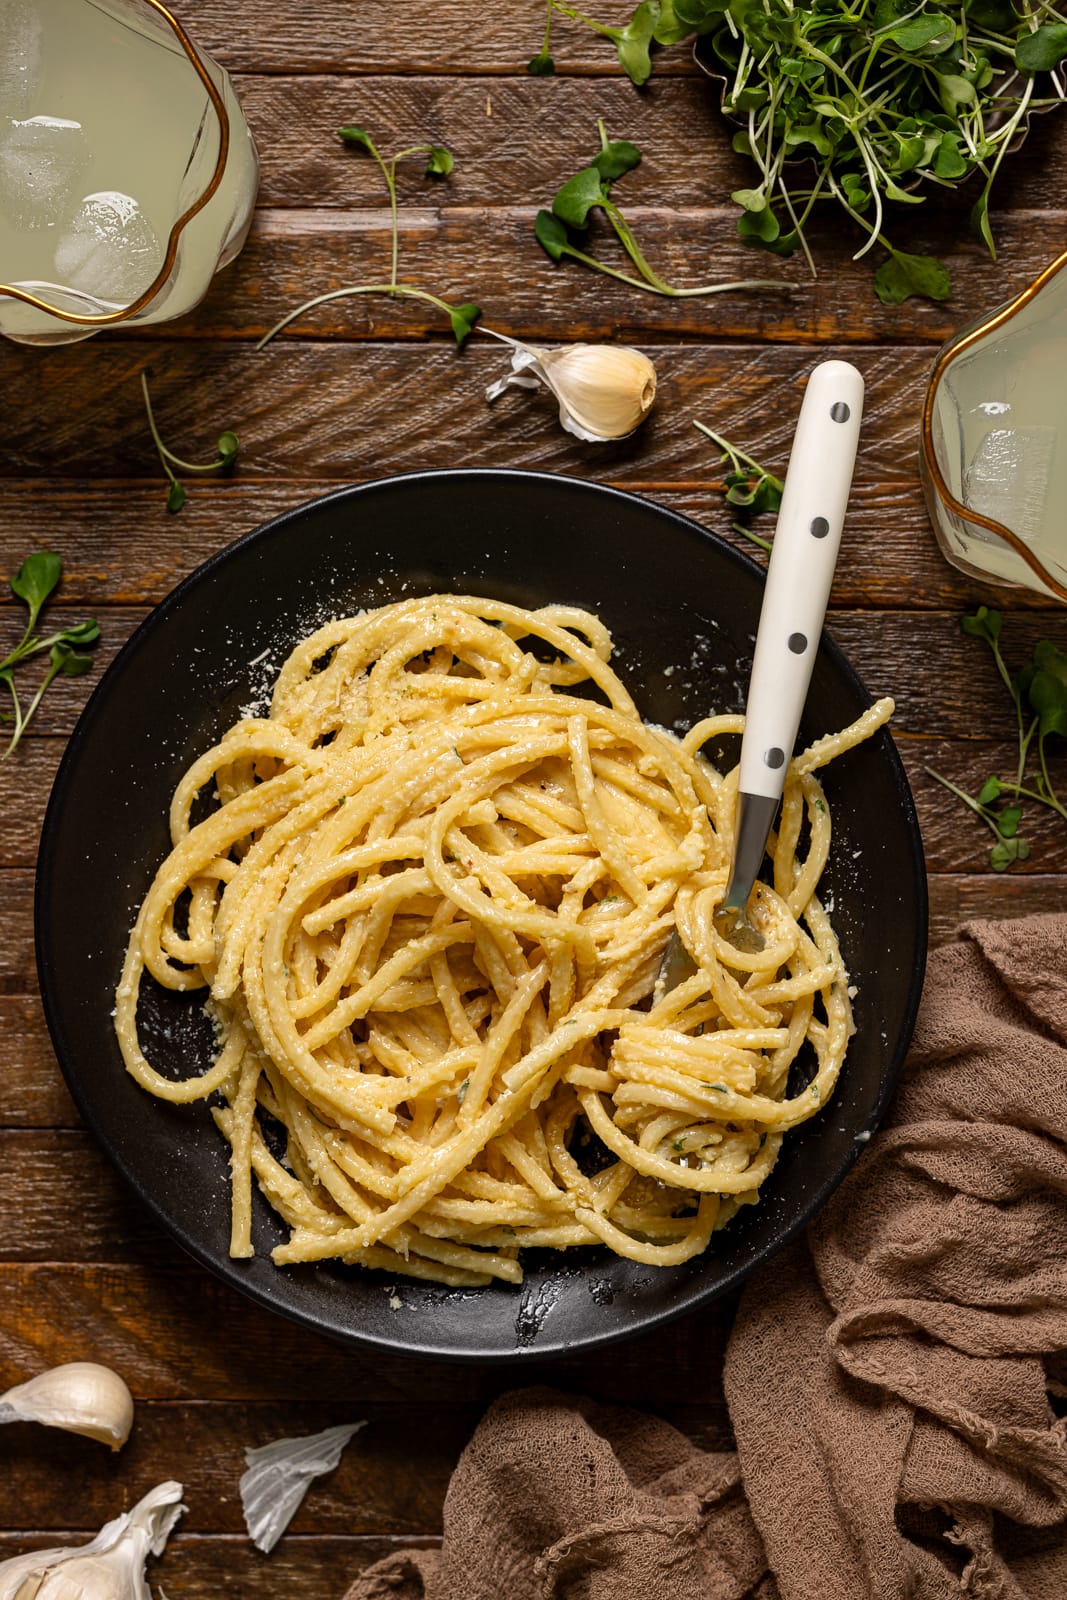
<point x="366" y="388"/>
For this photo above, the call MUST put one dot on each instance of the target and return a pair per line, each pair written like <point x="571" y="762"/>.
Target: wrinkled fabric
<point x="894" y="1382"/>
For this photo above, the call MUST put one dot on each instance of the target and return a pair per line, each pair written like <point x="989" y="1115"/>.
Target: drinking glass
<point x="127" y="170"/>
<point x="994" y="441"/>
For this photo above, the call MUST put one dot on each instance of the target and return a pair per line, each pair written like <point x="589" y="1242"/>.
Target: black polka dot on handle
<point x="840" y="411"/>
<point x="774" y="758"/>
<point x="798" y="643"/>
<point x="820" y="527"/>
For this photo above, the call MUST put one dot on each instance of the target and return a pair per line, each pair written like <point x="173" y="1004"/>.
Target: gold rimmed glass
<point x="127" y="171"/>
<point x="994" y="441"/>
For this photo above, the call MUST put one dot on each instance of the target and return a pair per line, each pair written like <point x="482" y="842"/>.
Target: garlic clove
<point x="605" y="391"/>
<point x="81" y="1397"/>
<point x="111" y="1567"/>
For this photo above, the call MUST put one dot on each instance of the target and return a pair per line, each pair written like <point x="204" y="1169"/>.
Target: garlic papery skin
<point x="279" y="1476"/>
<point x="110" y="1568"/>
<point x="605" y="391"/>
<point x="81" y="1397"/>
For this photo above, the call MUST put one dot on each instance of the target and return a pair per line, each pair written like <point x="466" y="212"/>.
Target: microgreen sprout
<point x="1039" y="694"/>
<point x="589" y="191"/>
<point x="227" y="447"/>
<point x="33" y="583"/>
<point x="873" y="97"/>
<point x="439" y="163"/>
<point x="750" y="487"/>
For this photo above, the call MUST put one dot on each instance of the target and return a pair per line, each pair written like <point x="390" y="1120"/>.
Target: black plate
<point x="682" y="607"/>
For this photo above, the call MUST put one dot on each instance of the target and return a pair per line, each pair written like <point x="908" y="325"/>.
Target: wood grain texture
<point x="177" y="1333"/>
<point x="119" y="545"/>
<point x="360" y="390"/>
<point x="334" y="412"/>
<point x="490" y="256"/>
<point x="493" y="130"/>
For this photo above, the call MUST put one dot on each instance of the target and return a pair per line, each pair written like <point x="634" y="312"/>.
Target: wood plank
<point x="686" y="146"/>
<point x="890" y="561"/>
<point x="62" y="1200"/>
<point x="381" y="1489"/>
<point x="494" y="132"/>
<point x="175" y="1332"/>
<point x="324" y="36"/>
<point x="491" y="256"/>
<point x="333" y="414"/>
<point x="32" y="1091"/>
<point x="205" y="1568"/>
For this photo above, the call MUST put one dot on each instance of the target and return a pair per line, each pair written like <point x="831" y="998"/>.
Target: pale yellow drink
<point x="107" y="135"/>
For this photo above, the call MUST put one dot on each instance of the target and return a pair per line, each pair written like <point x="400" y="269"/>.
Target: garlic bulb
<point x="110" y="1568"/>
<point x="80" y="1396"/>
<point x="605" y="391"/>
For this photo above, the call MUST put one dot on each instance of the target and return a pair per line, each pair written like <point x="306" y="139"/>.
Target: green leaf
<point x="1008" y="821"/>
<point x="578" y="196"/>
<point x="989" y="791"/>
<point x="1004" y="853"/>
<point x="954" y="92"/>
<point x="175" y="496"/>
<point x="1048" y="697"/>
<point x="551" y="235"/>
<point x="980" y="222"/>
<point x="83" y="632"/>
<point x="35" y="581"/>
<point x="634" y="41"/>
<point x="1047" y="658"/>
<point x="541" y="66"/>
<point x="949" y="161"/>
<point x="985" y="624"/>
<point x="670" y="29"/>
<point x="759" y="225"/>
<point x="701" y="15"/>
<point x="356" y="136"/>
<point x="750" y="199"/>
<point x="463" y="319"/>
<point x="918" y="32"/>
<point x="228" y="446"/>
<point x="440" y="163"/>
<point x="1044" y="49"/>
<point x="68" y="661"/>
<point x="617" y="158"/>
<point x="904" y="276"/>
<point x="997" y="16"/>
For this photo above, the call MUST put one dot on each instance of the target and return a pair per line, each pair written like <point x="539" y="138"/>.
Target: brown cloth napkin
<point x="890" y="1382"/>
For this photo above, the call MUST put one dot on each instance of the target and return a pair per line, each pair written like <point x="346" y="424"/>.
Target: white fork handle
<point x="800" y="573"/>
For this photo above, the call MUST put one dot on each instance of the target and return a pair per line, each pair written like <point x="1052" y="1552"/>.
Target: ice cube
<point x="42" y="162"/>
<point x="1009" y="479"/>
<point x="108" y="249"/>
<point x="20" y="57"/>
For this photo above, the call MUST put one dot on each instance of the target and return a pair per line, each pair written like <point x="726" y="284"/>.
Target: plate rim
<point x="227" y="1270"/>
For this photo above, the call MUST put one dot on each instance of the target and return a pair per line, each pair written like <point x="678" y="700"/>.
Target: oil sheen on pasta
<point x="429" y="909"/>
